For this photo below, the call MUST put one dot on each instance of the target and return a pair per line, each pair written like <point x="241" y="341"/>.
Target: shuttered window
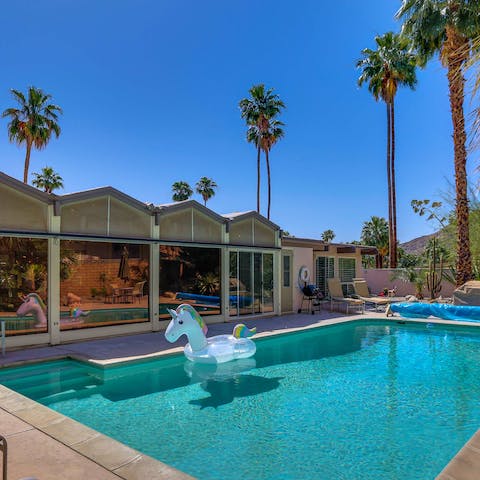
<point x="324" y="269"/>
<point x="286" y="270"/>
<point x="346" y="268"/>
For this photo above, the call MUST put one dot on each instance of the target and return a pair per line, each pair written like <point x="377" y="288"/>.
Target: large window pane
<point x="245" y="283"/>
<point x="103" y="284"/>
<point x="233" y="281"/>
<point x="251" y="283"/>
<point x="23" y="284"/>
<point x="267" y="284"/>
<point x="190" y="275"/>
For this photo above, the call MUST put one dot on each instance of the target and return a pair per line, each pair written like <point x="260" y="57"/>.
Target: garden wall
<point x="87" y="275"/>
<point x="380" y="278"/>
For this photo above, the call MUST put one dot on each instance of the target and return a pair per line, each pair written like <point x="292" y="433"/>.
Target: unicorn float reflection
<point x="217" y="349"/>
<point x="33" y="305"/>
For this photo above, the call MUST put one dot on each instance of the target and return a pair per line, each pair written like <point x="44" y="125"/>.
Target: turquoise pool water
<point x="356" y="401"/>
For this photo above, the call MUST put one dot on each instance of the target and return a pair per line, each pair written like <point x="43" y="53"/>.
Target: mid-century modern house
<point x="99" y="262"/>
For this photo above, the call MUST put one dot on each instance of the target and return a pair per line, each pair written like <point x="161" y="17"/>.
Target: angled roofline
<point x="237" y="217"/>
<point x="167" y="208"/>
<point x="313" y="243"/>
<point x="102" y="192"/>
<point x="15" y="184"/>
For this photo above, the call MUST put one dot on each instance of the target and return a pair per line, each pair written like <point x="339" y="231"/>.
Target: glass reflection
<point x="251" y="283"/>
<point x="23" y="285"/>
<point x="189" y="275"/>
<point x="103" y="284"/>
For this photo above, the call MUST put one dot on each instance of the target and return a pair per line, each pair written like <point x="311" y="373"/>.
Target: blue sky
<point x="150" y="93"/>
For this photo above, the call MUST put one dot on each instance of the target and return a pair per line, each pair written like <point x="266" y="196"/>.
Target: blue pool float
<point x="444" y="311"/>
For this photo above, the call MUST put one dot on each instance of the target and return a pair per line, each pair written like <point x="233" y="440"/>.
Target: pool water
<point x="354" y="401"/>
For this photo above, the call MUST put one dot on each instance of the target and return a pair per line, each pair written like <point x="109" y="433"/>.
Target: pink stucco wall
<point x="380" y="278"/>
<point x="301" y="257"/>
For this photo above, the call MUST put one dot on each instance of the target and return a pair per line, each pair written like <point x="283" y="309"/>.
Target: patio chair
<point x="138" y="290"/>
<point x="113" y="294"/>
<point x="361" y="291"/>
<point x="337" y="296"/>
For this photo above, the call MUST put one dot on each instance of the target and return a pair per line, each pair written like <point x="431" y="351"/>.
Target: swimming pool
<point x="352" y="401"/>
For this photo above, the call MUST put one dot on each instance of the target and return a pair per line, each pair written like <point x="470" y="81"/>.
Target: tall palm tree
<point x="268" y="138"/>
<point x="474" y="63"/>
<point x="181" y="191"/>
<point x="33" y="122"/>
<point x="48" y="180"/>
<point x="206" y="188"/>
<point x="375" y="232"/>
<point x="256" y="110"/>
<point x="448" y="27"/>
<point x="385" y="69"/>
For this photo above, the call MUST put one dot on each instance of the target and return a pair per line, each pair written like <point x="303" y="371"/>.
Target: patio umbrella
<point x="124" y="269"/>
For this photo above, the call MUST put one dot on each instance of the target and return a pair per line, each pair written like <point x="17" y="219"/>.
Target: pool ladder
<point x="3" y="449"/>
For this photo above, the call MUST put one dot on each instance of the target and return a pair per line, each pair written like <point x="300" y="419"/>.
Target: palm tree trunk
<point x="27" y="162"/>
<point x="456" y="56"/>
<point x="393" y="195"/>
<point x="258" y="178"/>
<point x="267" y="158"/>
<point x="389" y="183"/>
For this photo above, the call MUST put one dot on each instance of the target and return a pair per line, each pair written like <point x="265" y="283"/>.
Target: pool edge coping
<point x="112" y="455"/>
<point x="131" y="463"/>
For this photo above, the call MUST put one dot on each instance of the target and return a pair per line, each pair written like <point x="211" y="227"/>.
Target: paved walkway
<point x="122" y="348"/>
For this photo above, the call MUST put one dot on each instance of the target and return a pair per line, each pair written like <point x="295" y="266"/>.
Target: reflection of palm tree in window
<point x="175" y="254"/>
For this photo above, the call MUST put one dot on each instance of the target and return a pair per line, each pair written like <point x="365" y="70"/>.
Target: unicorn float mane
<point x="195" y="315"/>
<point x="38" y="300"/>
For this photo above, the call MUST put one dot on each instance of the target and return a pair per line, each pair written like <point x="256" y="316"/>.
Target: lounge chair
<point x="336" y="296"/>
<point x="361" y="291"/>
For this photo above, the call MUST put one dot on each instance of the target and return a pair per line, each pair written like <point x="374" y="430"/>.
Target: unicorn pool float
<point x="33" y="305"/>
<point x="217" y="349"/>
<point x="76" y="312"/>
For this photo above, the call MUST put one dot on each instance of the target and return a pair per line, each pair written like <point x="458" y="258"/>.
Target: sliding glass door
<point x="251" y="283"/>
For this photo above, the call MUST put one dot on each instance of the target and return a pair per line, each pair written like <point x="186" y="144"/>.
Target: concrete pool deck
<point x="47" y="445"/>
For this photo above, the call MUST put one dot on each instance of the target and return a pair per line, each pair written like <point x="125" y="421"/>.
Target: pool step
<point x="38" y="392"/>
<point x="42" y="378"/>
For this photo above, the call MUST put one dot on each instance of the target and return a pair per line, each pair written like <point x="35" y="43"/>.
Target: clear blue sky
<point x="150" y="93"/>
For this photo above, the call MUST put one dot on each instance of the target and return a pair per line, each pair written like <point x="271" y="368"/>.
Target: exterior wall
<point x="302" y="257"/>
<point x="98" y="217"/>
<point x="20" y="212"/>
<point x="380" y="278"/>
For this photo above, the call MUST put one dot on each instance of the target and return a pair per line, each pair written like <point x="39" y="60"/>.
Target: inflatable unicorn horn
<point x="217" y="349"/>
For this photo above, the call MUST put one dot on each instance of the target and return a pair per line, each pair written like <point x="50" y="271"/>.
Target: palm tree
<point x="206" y="188"/>
<point x="33" y="123"/>
<point x="375" y="232"/>
<point x="474" y="63"/>
<point x="261" y="106"/>
<point x="48" y="180"/>
<point x="328" y="236"/>
<point x="385" y="69"/>
<point x="181" y="191"/>
<point x="448" y="27"/>
<point x="268" y="138"/>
